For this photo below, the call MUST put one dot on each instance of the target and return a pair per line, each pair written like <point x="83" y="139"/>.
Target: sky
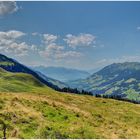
<point x="81" y="35"/>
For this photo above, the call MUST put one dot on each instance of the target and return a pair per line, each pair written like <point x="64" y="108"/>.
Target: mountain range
<point x="118" y="79"/>
<point x="61" y="73"/>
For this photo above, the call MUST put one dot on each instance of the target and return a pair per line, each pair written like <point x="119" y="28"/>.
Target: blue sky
<point x="82" y="35"/>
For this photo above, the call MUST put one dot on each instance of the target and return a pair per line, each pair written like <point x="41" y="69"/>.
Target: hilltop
<point x="15" y="82"/>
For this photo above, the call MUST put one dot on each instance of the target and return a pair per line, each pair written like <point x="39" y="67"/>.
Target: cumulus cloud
<point x="49" y="38"/>
<point x="19" y="49"/>
<point x="11" y="35"/>
<point x="54" y="51"/>
<point x="80" y="40"/>
<point x="7" y="7"/>
<point x="51" y="50"/>
<point x="9" y="43"/>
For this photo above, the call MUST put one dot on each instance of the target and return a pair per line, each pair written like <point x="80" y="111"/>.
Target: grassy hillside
<point x="12" y="65"/>
<point x="58" y="115"/>
<point x="29" y="109"/>
<point x="17" y="82"/>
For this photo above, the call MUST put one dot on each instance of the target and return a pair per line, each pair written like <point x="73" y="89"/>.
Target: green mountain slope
<point x="12" y="65"/>
<point x="30" y="109"/>
<point x="15" y="82"/>
<point x="120" y="79"/>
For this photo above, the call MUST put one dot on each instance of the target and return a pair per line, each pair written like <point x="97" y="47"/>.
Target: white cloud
<point x="51" y="50"/>
<point x="11" y="35"/>
<point x="49" y="38"/>
<point x="84" y="40"/>
<point x="10" y="44"/>
<point x="7" y="7"/>
<point x="19" y="49"/>
<point x="54" y="51"/>
<point x="34" y="48"/>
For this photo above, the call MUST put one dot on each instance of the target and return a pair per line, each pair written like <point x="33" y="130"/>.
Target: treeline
<point x="83" y="92"/>
<point x="75" y="90"/>
<point x="117" y="97"/>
